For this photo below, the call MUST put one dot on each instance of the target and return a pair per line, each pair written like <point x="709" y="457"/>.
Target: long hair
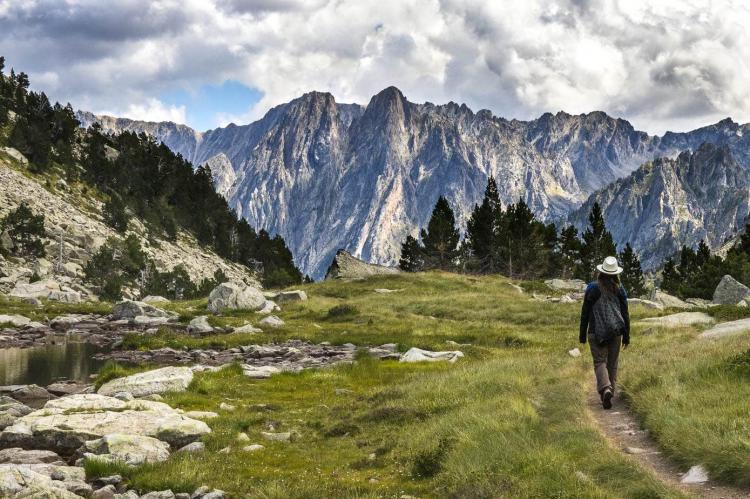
<point x="608" y="283"/>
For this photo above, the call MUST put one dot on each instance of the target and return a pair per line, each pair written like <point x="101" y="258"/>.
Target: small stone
<point x="253" y="448"/>
<point x="106" y="492"/>
<point x="200" y="492"/>
<point x="271" y="321"/>
<point x="225" y="450"/>
<point x="193" y="447"/>
<point x="227" y="407"/>
<point x="635" y="450"/>
<point x="575" y="352"/>
<point x="163" y="494"/>
<point x="242" y="437"/>
<point x="696" y="474"/>
<point x="277" y="437"/>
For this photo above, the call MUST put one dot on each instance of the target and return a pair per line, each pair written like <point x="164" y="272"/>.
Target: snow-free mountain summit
<point x="326" y="175"/>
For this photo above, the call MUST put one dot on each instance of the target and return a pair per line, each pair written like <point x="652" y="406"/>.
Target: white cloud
<point x="662" y="64"/>
<point x="152" y="110"/>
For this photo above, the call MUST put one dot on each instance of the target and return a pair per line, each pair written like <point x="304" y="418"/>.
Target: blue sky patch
<point x="208" y="106"/>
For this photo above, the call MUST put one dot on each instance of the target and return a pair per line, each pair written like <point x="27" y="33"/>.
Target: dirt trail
<point x="621" y="428"/>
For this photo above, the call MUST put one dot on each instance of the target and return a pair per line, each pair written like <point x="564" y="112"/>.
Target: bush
<point x="25" y="230"/>
<point x="342" y="311"/>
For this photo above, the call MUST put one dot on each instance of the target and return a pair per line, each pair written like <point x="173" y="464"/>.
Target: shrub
<point x="342" y="311"/>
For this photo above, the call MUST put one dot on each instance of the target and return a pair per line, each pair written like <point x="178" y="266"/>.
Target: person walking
<point x="605" y="323"/>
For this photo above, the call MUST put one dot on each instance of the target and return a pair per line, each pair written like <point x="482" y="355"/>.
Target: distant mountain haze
<point x="327" y="176"/>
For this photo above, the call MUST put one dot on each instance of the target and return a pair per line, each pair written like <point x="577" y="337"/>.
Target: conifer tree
<point x="597" y="244"/>
<point x="481" y="229"/>
<point x="25" y="230"/>
<point x="570" y="251"/>
<point x="441" y="238"/>
<point x="412" y="255"/>
<point x="632" y="274"/>
<point x="670" y="278"/>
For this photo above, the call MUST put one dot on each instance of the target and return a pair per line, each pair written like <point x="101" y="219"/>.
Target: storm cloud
<point x="661" y="64"/>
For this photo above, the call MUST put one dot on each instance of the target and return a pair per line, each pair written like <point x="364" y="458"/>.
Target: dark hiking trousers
<point x="605" y="362"/>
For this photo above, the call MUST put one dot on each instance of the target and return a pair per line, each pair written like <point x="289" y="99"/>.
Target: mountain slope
<point x="327" y="176"/>
<point x="76" y="217"/>
<point x="670" y="202"/>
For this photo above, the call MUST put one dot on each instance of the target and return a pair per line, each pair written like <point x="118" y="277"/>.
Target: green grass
<point x="693" y="396"/>
<point x="13" y="306"/>
<point x="508" y="420"/>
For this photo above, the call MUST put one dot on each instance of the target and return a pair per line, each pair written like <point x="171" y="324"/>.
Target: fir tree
<point x="632" y="274"/>
<point x="670" y="278"/>
<point x="570" y="251"/>
<point x="25" y="230"/>
<point x="115" y="215"/>
<point x="441" y="238"/>
<point x="481" y="229"/>
<point x="412" y="255"/>
<point x="597" y="244"/>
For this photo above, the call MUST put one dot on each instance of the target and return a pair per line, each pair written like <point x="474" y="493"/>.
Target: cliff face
<point x="327" y="176"/>
<point x="670" y="202"/>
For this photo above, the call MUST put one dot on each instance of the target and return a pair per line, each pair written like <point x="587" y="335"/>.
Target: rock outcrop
<point x="233" y="296"/>
<point x="77" y="225"/>
<point x="64" y="425"/>
<point x="166" y="379"/>
<point x="667" y="203"/>
<point x="346" y="266"/>
<point x="730" y="291"/>
<point x="370" y="175"/>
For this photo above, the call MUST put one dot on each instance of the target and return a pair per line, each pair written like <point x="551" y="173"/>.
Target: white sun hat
<point x="609" y="266"/>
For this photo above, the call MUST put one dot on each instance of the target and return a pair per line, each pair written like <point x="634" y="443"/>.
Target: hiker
<point x="605" y="321"/>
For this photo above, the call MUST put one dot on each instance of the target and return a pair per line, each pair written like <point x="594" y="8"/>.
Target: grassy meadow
<point x="507" y="420"/>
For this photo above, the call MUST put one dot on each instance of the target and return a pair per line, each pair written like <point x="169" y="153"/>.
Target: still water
<point x="68" y="358"/>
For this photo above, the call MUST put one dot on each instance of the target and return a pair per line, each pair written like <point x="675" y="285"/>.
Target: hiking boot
<point x="607" y="399"/>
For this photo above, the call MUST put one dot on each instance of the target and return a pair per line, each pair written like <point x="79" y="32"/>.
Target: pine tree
<point x="115" y="215"/>
<point x="597" y="244"/>
<point x="703" y="254"/>
<point x="412" y="255"/>
<point x="670" y="278"/>
<point x="481" y="229"/>
<point x="632" y="274"/>
<point x="441" y="238"/>
<point x="570" y="251"/>
<point x="25" y="230"/>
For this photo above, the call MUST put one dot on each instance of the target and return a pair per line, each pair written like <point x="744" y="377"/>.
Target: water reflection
<point x="61" y="358"/>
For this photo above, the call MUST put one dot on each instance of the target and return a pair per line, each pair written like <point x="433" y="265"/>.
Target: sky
<point x="662" y="64"/>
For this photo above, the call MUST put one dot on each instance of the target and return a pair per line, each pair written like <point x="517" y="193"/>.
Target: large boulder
<point x="15" y="320"/>
<point x="39" y="289"/>
<point x="725" y="329"/>
<point x="16" y="455"/>
<point x="668" y="301"/>
<point x="36" y="481"/>
<point x="69" y="296"/>
<point x="129" y="449"/>
<point x="25" y="393"/>
<point x="64" y="425"/>
<point x="230" y="295"/>
<point x="730" y="291"/>
<point x="166" y="379"/>
<point x="200" y="325"/>
<point x="346" y="266"/>
<point x="129" y="309"/>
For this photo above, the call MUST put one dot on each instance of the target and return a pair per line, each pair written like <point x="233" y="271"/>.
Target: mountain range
<point x="327" y="176"/>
